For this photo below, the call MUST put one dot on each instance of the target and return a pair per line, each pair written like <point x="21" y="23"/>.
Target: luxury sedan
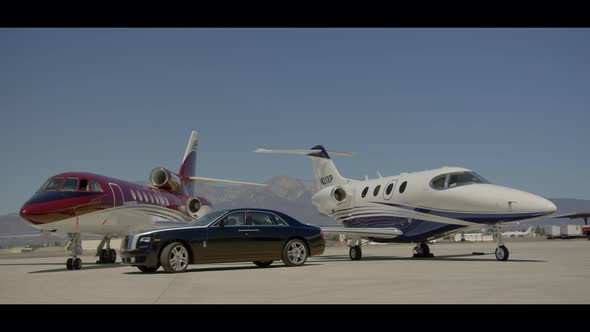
<point x="235" y="235"/>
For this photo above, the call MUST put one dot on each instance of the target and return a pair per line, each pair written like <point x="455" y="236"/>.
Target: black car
<point x="236" y="235"/>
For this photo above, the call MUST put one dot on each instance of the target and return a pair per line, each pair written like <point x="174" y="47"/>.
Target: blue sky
<point x="511" y="104"/>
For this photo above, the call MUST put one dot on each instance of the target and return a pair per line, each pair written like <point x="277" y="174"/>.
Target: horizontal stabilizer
<point x="304" y="152"/>
<point x="381" y="233"/>
<point x="210" y="180"/>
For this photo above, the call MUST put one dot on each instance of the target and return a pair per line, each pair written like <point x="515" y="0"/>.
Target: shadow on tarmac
<point x="446" y="258"/>
<point x="225" y="268"/>
<point x="87" y="266"/>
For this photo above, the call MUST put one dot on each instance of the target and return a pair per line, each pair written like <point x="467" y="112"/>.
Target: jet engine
<point x="329" y="198"/>
<point x="165" y="179"/>
<point x="195" y="208"/>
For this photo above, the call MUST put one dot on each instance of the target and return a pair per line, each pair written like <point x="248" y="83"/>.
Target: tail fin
<point x="324" y="170"/>
<point x="189" y="161"/>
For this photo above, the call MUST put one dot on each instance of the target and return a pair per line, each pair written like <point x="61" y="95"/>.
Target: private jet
<point x="86" y="203"/>
<point x="415" y="207"/>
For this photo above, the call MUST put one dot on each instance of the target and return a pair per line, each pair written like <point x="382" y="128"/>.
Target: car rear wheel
<point x="295" y="253"/>
<point x="262" y="264"/>
<point x="174" y="257"/>
<point x="148" y="269"/>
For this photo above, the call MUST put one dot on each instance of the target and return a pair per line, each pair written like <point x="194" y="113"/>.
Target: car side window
<point x="265" y="219"/>
<point x="235" y="219"/>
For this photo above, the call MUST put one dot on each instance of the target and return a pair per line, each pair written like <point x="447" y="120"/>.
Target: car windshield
<point x="207" y="219"/>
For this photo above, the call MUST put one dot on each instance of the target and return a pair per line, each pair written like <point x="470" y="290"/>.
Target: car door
<point x="266" y="234"/>
<point x="227" y="242"/>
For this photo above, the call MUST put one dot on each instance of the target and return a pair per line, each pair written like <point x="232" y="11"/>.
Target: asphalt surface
<point x="540" y="271"/>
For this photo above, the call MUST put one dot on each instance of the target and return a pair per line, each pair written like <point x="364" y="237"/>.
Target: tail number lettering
<point x="326" y="179"/>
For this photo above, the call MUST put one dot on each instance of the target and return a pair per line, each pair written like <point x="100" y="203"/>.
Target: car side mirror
<point x="221" y="223"/>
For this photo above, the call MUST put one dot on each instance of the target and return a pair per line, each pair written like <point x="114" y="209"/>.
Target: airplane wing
<point x="381" y="233"/>
<point x="211" y="180"/>
<point x="573" y="215"/>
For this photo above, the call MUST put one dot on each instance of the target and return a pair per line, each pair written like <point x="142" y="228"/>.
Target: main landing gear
<point x="422" y="250"/>
<point x="355" y="251"/>
<point x="502" y="252"/>
<point x="75" y="248"/>
<point x="108" y="255"/>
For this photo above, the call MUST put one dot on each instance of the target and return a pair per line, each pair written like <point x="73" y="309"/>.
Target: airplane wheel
<point x="355" y="253"/>
<point x="77" y="264"/>
<point x="103" y="257"/>
<point x="425" y="249"/>
<point x="502" y="253"/>
<point x="112" y="256"/>
<point x="70" y="264"/>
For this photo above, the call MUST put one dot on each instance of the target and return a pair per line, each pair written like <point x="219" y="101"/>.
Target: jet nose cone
<point x="25" y="213"/>
<point x="549" y="206"/>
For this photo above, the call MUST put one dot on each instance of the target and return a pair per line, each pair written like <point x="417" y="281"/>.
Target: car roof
<point x="252" y="209"/>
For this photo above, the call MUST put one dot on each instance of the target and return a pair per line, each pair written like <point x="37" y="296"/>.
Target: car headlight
<point x="144" y="242"/>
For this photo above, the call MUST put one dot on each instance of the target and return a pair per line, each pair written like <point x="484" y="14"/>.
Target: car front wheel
<point x="295" y="253"/>
<point x="174" y="257"/>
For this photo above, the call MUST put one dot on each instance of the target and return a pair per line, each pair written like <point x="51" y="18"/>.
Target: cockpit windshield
<point x="208" y="218"/>
<point x="456" y="179"/>
<point x="71" y="184"/>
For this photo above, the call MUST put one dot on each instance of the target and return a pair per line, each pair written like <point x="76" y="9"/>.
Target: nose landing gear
<point x="502" y="252"/>
<point x="75" y="248"/>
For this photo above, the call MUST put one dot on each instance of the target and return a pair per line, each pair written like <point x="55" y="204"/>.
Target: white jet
<point x="415" y="207"/>
<point x="518" y="233"/>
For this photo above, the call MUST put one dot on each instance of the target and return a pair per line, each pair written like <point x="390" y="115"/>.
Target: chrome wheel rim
<point x="296" y="252"/>
<point x="178" y="258"/>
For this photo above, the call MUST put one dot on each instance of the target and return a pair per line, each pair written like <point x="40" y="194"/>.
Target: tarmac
<point x="538" y="271"/>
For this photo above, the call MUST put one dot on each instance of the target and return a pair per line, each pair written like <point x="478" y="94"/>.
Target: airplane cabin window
<point x="70" y="184"/>
<point x="389" y="189"/>
<point x="439" y="182"/>
<point x="365" y="192"/>
<point x="53" y="184"/>
<point x="402" y="188"/>
<point x="94" y="186"/>
<point x="376" y="190"/>
<point x="83" y="185"/>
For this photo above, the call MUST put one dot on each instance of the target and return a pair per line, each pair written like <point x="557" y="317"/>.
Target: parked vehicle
<point x="552" y="231"/>
<point x="569" y="231"/>
<point x="234" y="235"/>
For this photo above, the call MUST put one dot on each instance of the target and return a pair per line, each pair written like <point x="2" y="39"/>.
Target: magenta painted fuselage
<point x="87" y="202"/>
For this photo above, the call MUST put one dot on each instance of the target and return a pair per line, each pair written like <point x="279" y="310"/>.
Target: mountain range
<point x="289" y="195"/>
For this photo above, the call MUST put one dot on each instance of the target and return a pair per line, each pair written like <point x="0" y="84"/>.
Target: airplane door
<point x="117" y="194"/>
